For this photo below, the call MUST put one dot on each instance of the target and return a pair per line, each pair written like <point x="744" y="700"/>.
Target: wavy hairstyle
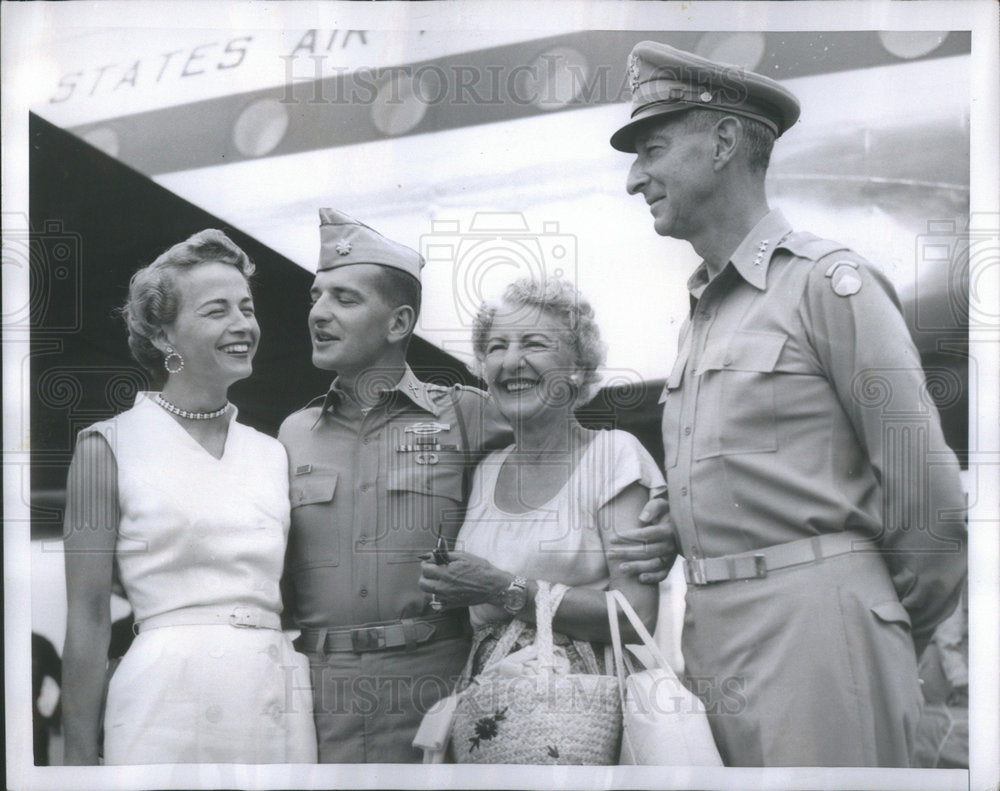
<point x="153" y="296"/>
<point x="560" y="298"/>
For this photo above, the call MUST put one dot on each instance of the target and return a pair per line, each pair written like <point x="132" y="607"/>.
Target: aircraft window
<point x="260" y="127"/>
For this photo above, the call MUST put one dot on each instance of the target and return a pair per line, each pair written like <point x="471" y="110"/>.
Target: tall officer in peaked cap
<point x="376" y="470"/>
<point x="812" y="495"/>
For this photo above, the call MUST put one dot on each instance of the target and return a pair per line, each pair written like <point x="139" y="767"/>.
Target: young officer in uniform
<point x="813" y="496"/>
<point x="377" y="470"/>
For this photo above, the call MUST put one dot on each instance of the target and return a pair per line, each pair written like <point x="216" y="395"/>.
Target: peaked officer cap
<point x="667" y="80"/>
<point x="344" y="241"/>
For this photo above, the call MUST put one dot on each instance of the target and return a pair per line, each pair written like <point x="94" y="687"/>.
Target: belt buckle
<point x="243" y="618"/>
<point x="760" y="566"/>
<point x="370" y="638"/>
<point x="694" y="571"/>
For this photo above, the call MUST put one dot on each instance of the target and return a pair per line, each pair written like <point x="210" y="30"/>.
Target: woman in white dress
<point x="549" y="506"/>
<point x="192" y="507"/>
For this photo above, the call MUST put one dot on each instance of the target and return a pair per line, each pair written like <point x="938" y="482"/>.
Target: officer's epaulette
<point x="810" y="246"/>
<point x="436" y="391"/>
<point x="317" y="401"/>
<point x="841" y="272"/>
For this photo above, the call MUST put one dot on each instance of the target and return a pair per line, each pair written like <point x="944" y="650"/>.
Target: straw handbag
<point x="664" y="723"/>
<point x="528" y="709"/>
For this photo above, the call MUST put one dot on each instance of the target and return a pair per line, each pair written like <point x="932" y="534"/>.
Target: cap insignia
<point x="633" y="72"/>
<point x="343" y="248"/>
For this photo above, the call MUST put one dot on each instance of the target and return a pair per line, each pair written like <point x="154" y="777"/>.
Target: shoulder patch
<point x="844" y="278"/>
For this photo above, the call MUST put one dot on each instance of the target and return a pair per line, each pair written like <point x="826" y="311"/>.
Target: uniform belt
<point x="240" y="617"/>
<point x="382" y="636"/>
<point x="757" y="564"/>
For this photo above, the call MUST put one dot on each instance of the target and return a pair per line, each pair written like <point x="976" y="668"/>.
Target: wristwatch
<point x="516" y="595"/>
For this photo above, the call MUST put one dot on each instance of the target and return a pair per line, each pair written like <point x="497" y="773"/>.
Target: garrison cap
<point x="344" y="241"/>
<point x="667" y="80"/>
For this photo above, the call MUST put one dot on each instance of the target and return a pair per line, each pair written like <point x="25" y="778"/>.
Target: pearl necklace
<point x="190" y="415"/>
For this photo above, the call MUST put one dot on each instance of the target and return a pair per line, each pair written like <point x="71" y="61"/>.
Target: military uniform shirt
<point x="369" y="492"/>
<point x="797" y="407"/>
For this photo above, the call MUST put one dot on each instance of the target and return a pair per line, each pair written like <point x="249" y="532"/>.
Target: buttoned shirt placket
<point x="716" y="308"/>
<point x="693" y="337"/>
<point x="365" y="470"/>
<point x="377" y="438"/>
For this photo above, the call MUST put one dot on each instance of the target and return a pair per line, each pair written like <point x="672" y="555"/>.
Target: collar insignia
<point x="761" y="249"/>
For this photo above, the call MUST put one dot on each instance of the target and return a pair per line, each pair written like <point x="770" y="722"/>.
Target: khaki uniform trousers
<point x="812" y="665"/>
<point x="368" y="706"/>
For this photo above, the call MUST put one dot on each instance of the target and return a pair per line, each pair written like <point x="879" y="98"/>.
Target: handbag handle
<point x="547" y="600"/>
<point x="616" y="644"/>
<point x="616" y="596"/>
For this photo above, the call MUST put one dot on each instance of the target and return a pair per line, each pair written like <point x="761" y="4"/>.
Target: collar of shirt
<point x="752" y="257"/>
<point x="408" y="386"/>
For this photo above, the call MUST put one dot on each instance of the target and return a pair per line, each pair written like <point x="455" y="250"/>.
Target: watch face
<point x="514" y="598"/>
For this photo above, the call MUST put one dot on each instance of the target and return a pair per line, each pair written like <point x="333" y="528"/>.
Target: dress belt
<point x="381" y="636"/>
<point x="240" y="617"/>
<point x="757" y="564"/>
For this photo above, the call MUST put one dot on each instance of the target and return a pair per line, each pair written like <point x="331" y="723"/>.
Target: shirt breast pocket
<point x="424" y="499"/>
<point x="314" y="539"/>
<point x="736" y="405"/>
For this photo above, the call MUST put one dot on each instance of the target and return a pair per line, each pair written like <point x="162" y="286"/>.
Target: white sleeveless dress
<point x="203" y="535"/>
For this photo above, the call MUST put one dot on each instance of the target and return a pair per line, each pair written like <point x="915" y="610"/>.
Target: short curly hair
<point x="560" y="298"/>
<point x="153" y="296"/>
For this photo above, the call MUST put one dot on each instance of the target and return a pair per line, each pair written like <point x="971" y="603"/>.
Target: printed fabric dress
<point x="560" y="542"/>
<point x="210" y="677"/>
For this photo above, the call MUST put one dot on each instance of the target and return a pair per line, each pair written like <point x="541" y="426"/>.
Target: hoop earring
<point x="179" y="363"/>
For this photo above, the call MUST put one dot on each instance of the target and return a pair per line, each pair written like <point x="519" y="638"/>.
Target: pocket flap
<point x="432" y="473"/>
<point x="746" y="351"/>
<point x="891" y="612"/>
<point x="675" y="378"/>
<point x="316" y="487"/>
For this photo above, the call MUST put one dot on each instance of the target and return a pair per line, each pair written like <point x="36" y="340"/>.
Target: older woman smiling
<point x="549" y="506"/>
